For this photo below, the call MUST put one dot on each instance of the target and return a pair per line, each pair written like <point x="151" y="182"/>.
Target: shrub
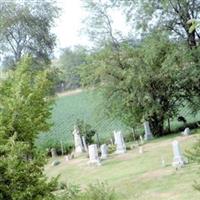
<point x="97" y="191"/>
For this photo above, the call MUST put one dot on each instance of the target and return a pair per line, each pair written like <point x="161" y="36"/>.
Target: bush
<point x="97" y="191"/>
<point x="111" y="148"/>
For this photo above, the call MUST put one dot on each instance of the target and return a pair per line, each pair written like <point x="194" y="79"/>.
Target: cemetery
<point x="153" y="168"/>
<point x="99" y="100"/>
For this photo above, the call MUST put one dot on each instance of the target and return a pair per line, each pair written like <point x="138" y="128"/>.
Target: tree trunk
<point x="191" y="39"/>
<point x="157" y="125"/>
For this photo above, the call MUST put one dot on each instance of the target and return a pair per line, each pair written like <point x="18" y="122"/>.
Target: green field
<point x="87" y="106"/>
<point x="137" y="176"/>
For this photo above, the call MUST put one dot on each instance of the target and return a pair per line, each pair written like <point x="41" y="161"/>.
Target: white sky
<point x="69" y="24"/>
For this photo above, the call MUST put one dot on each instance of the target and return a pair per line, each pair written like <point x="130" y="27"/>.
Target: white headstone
<point x="104" y="151"/>
<point x="178" y="160"/>
<point x="119" y="142"/>
<point x="186" y="132"/>
<point x="77" y="141"/>
<point x="93" y="155"/>
<point x="84" y="144"/>
<point x="53" y="153"/>
<point x="141" y="150"/>
<point x="148" y="134"/>
<point x="141" y="140"/>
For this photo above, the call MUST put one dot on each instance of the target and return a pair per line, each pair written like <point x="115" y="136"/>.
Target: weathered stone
<point x="104" y="151"/>
<point x="84" y="144"/>
<point x="77" y="141"/>
<point x="141" y="150"/>
<point x="141" y="140"/>
<point x="93" y="155"/>
<point x="55" y="162"/>
<point x="119" y="142"/>
<point x="178" y="159"/>
<point x="186" y="132"/>
<point x="148" y="134"/>
<point x="53" y="153"/>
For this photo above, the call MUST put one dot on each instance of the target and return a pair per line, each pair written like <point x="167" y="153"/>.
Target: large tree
<point x="69" y="62"/>
<point x="25" y="103"/>
<point x="25" y="28"/>
<point x="170" y="15"/>
<point x="140" y="82"/>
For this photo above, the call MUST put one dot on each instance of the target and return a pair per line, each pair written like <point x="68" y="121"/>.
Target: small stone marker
<point x="53" y="153"/>
<point x="93" y="155"/>
<point x="163" y="162"/>
<point x="67" y="158"/>
<point x="77" y="141"/>
<point x="119" y="141"/>
<point x="55" y="162"/>
<point x="141" y="140"/>
<point x="186" y="132"/>
<point x="141" y="150"/>
<point x="148" y="134"/>
<point x="84" y="144"/>
<point x="178" y="160"/>
<point x="104" y="151"/>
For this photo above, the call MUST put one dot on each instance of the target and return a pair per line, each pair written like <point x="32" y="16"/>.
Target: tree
<point x="25" y="110"/>
<point x="144" y="85"/>
<point x="169" y="15"/>
<point x="86" y="131"/>
<point x="25" y="104"/>
<point x="70" y="61"/>
<point x="25" y="29"/>
<point x="23" y="179"/>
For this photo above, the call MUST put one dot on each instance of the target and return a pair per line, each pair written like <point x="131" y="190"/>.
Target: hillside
<point x="86" y="105"/>
<point x="137" y="176"/>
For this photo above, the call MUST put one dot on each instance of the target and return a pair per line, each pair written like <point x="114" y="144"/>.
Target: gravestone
<point x="186" y="132"/>
<point x="141" y="150"/>
<point x="93" y="155"/>
<point x="163" y="162"/>
<point x="77" y="141"/>
<point x="55" y="163"/>
<point x="84" y="144"/>
<point x="104" y="151"/>
<point x="141" y="140"/>
<point x="53" y="153"/>
<point x="119" y="142"/>
<point x="148" y="134"/>
<point x="178" y="159"/>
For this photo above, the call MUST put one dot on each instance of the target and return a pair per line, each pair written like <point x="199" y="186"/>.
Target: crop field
<point x="86" y="106"/>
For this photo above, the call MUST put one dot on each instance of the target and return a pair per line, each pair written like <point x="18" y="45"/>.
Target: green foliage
<point x="98" y="191"/>
<point x="25" y="29"/>
<point x="86" y="130"/>
<point x="70" y="61"/>
<point x="171" y="16"/>
<point x="25" y="107"/>
<point x="21" y="175"/>
<point x="85" y="105"/>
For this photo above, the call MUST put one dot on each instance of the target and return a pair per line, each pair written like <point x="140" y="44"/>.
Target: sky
<point x="69" y="25"/>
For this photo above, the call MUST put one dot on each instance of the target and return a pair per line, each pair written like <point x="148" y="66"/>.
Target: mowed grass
<point x="87" y="105"/>
<point x="137" y="176"/>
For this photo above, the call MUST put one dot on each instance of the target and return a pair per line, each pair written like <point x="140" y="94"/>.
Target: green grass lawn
<point x="137" y="176"/>
<point x="87" y="106"/>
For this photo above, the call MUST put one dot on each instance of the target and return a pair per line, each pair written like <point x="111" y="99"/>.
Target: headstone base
<point x="179" y="162"/>
<point x="94" y="163"/>
<point x="148" y="137"/>
<point x="120" y="151"/>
